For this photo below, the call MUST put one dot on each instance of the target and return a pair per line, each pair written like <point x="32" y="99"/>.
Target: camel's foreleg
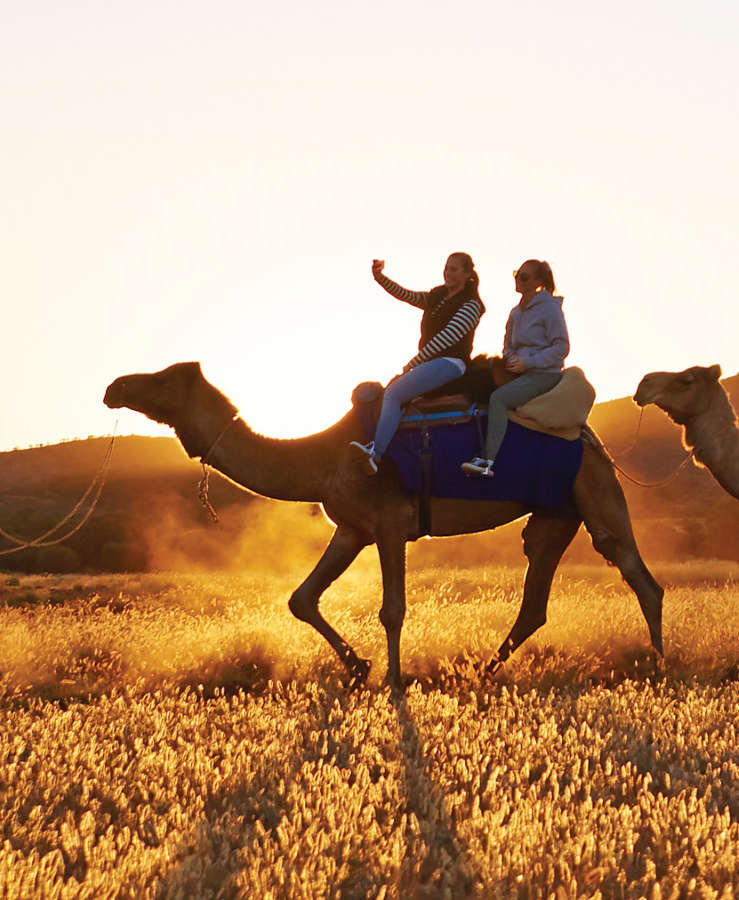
<point x="602" y="504"/>
<point x="338" y="556"/>
<point x="544" y="542"/>
<point x="392" y="613"/>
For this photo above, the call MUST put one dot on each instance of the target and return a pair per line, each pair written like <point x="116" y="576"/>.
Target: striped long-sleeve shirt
<point x="448" y="324"/>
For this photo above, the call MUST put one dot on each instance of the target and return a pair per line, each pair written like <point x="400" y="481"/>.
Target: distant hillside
<point x="149" y="515"/>
<point x="149" y="504"/>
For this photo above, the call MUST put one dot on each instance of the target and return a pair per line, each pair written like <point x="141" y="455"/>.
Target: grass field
<point x="183" y="736"/>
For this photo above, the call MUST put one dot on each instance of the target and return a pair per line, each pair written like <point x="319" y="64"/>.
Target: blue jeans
<point x="426" y="377"/>
<point x="511" y="396"/>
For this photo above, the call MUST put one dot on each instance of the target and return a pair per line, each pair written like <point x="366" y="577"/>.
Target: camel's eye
<point x="686" y="381"/>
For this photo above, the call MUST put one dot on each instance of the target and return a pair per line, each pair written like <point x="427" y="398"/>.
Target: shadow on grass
<point x="429" y="853"/>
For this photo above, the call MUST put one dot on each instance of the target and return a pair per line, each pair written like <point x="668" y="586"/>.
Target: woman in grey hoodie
<point x="536" y="344"/>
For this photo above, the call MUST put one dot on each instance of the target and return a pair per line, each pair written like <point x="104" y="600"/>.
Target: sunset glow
<point x="187" y="187"/>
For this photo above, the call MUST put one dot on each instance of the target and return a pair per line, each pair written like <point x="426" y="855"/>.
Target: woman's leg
<point x="426" y="377"/>
<point x="511" y="396"/>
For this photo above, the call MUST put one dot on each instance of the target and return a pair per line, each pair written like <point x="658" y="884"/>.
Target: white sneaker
<point x="478" y="466"/>
<point x="369" y="450"/>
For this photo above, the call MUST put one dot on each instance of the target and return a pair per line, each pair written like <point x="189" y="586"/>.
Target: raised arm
<point x="415" y="298"/>
<point x="462" y="323"/>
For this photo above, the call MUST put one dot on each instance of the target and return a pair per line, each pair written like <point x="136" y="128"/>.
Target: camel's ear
<point x="714" y="372"/>
<point x="188" y="372"/>
<point x="195" y="373"/>
<point x="185" y="367"/>
<point x="192" y="368"/>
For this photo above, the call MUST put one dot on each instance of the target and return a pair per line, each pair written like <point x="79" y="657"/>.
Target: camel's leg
<point x="338" y="556"/>
<point x="544" y="542"/>
<point x="392" y="613"/>
<point x="602" y="504"/>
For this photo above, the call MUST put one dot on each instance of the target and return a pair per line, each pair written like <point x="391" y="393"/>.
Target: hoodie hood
<point x="543" y="296"/>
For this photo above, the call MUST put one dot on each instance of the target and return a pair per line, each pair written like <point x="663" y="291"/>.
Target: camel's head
<point x="160" y="395"/>
<point x="178" y="396"/>
<point x="680" y="394"/>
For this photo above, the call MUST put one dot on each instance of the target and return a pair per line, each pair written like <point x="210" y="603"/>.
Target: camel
<point x="376" y="509"/>
<point x="695" y="399"/>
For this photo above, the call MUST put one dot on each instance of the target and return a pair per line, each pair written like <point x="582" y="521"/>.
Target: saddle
<point x="437" y="434"/>
<point x="562" y="411"/>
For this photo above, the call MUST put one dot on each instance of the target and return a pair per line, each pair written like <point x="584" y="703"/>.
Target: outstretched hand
<point x="377" y="266"/>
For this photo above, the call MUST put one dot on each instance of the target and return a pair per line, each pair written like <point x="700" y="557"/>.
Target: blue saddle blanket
<point x="532" y="468"/>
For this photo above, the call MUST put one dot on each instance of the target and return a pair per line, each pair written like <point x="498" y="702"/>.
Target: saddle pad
<point x="566" y="406"/>
<point x="532" y="467"/>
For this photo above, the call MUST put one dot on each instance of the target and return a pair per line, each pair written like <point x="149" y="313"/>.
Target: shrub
<point x="56" y="559"/>
<point x="118" y="556"/>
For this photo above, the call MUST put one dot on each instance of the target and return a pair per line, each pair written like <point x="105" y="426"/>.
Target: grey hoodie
<point x="538" y="333"/>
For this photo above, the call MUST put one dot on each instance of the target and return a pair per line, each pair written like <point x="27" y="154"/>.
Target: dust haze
<point x="269" y="537"/>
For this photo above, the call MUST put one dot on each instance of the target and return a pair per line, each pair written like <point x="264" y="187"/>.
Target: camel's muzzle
<point x="644" y="394"/>
<point x="115" y="394"/>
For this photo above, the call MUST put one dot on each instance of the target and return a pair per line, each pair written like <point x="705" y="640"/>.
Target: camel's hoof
<point x="397" y="686"/>
<point x="358" y="674"/>
<point x="660" y="667"/>
<point x="493" y="667"/>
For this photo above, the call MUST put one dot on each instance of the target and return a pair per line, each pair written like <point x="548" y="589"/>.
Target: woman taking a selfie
<point x="451" y="312"/>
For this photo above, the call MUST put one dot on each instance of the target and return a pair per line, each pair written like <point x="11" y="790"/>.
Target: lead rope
<point x="203" y="493"/>
<point x="203" y="486"/>
<point x="95" y="488"/>
<point x="653" y="484"/>
<point x="690" y="455"/>
<point x="636" y="437"/>
<point x="644" y="484"/>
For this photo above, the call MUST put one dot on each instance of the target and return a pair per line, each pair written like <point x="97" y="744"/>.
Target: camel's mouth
<point x="128" y="391"/>
<point x="136" y="392"/>
<point x="646" y="393"/>
<point x="641" y="399"/>
<point x="114" y="395"/>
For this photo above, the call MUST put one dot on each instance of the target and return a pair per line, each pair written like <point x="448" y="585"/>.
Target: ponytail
<point x="546" y="276"/>
<point x="542" y="273"/>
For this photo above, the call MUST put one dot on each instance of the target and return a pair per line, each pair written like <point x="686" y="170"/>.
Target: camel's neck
<point x="713" y="436"/>
<point x="282" y="469"/>
<point x="299" y="469"/>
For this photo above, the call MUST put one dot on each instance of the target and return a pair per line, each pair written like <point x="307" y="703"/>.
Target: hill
<point x="149" y="504"/>
<point x="149" y="516"/>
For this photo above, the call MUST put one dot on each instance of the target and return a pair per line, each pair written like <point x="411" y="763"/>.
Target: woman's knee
<point x="496" y="406"/>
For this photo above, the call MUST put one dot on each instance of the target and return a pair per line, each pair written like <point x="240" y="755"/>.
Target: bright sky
<point x="210" y="181"/>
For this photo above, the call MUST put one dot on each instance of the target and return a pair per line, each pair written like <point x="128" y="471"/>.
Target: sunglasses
<point x="521" y="276"/>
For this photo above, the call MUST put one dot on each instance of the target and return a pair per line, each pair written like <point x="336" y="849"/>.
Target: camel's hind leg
<point x="338" y="556"/>
<point x="544" y="542"/>
<point x="602" y="505"/>
<point x="392" y="613"/>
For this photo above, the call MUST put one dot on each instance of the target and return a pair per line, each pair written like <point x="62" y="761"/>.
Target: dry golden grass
<point x="183" y="736"/>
